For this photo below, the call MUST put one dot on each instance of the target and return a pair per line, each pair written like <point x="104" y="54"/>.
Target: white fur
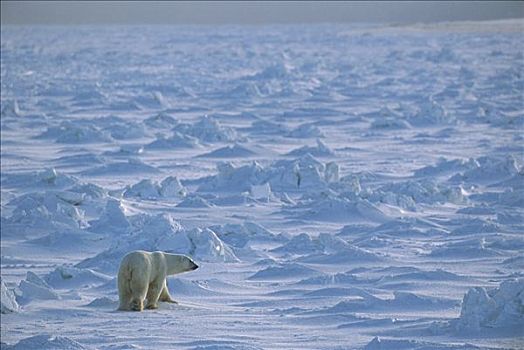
<point x="142" y="276"/>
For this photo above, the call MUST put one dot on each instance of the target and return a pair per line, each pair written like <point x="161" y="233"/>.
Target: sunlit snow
<point x="340" y="187"/>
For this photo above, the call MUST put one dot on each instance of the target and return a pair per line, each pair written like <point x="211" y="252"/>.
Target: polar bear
<point x="142" y="275"/>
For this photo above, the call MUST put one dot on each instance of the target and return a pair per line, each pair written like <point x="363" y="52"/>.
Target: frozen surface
<point x="340" y="187"/>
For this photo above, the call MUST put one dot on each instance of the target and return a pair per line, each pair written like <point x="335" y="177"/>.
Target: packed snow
<point x="340" y="187"/>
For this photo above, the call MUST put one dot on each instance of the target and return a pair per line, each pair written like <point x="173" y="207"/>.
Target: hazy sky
<point x="252" y="12"/>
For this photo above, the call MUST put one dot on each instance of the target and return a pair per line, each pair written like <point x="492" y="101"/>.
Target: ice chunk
<point x="74" y="133"/>
<point x="238" y="235"/>
<point x="230" y="178"/>
<point x="305" y="131"/>
<point x="161" y="121"/>
<point x="490" y="169"/>
<point x="73" y="198"/>
<point x="147" y="189"/>
<point x="33" y="287"/>
<point x="194" y="201"/>
<point x="132" y="166"/>
<point x="104" y="302"/>
<point x="331" y="173"/>
<point x="320" y="150"/>
<point x="431" y="113"/>
<point x="160" y="232"/>
<point x="178" y="140"/>
<point x="235" y="151"/>
<point x="47" y="210"/>
<point x="113" y="219"/>
<point x="208" y="129"/>
<point x="445" y="166"/>
<point x="340" y="209"/>
<point x="389" y="119"/>
<point x="262" y="192"/>
<point x="7" y="299"/>
<point x="72" y="277"/>
<point x="171" y="187"/>
<point x="53" y="178"/>
<point x="502" y="307"/>
<point x="279" y="70"/>
<point x="199" y="243"/>
<point x="408" y="344"/>
<point x="302" y="174"/>
<point x="325" y="248"/>
<point x="408" y="194"/>
<point x="47" y="342"/>
<point x="284" y="272"/>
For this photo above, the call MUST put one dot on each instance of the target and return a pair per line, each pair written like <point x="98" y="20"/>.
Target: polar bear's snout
<point x="190" y="265"/>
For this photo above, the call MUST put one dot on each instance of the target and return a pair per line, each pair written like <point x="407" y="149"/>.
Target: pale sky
<point x="252" y="12"/>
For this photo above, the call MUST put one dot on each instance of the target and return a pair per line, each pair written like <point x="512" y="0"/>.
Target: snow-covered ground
<point x="340" y="187"/>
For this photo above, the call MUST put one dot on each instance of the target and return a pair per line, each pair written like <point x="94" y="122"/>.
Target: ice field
<point x="341" y="187"/>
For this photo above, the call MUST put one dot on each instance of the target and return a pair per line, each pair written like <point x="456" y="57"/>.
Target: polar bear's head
<point x="187" y="264"/>
<point x="177" y="263"/>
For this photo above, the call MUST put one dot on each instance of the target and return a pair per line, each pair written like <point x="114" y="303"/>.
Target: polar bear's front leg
<point x="164" y="295"/>
<point x="153" y="293"/>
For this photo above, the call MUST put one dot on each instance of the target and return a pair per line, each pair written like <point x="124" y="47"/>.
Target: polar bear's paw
<point x="136" y="305"/>
<point x="152" y="306"/>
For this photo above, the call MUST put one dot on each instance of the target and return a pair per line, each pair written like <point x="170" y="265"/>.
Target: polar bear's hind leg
<point x="153" y="294"/>
<point x="137" y="293"/>
<point x="124" y="289"/>
<point x="122" y="295"/>
<point x="164" y="295"/>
